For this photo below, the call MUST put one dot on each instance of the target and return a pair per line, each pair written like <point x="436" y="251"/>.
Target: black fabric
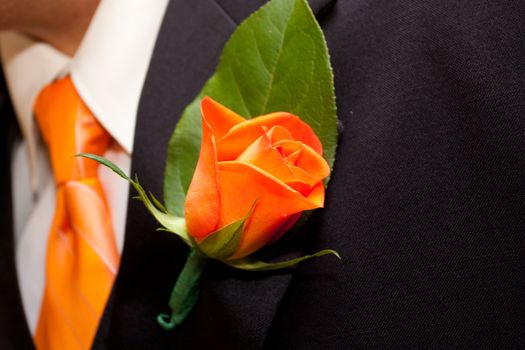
<point x="427" y="199"/>
<point x="14" y="333"/>
<point x="186" y="54"/>
<point x="426" y="202"/>
<point x="237" y="11"/>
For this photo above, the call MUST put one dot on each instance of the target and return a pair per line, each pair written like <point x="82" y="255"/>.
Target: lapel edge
<point x="319" y="8"/>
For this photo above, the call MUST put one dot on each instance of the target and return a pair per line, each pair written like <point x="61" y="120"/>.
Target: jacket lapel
<point x="14" y="333"/>
<point x="234" y="307"/>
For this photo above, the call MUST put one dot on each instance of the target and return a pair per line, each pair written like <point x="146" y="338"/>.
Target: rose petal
<point x="262" y="155"/>
<point x="303" y="176"/>
<point x="244" y="134"/>
<point x="317" y="195"/>
<point x="241" y="185"/>
<point x="292" y="157"/>
<point x="202" y="206"/>
<point x="278" y="133"/>
<point x="301" y="187"/>
<point x="220" y="118"/>
<point x="289" y="147"/>
<point x="288" y="224"/>
<point x="308" y="160"/>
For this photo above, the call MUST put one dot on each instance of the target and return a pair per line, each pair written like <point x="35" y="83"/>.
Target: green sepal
<point x="157" y="203"/>
<point x="223" y="243"/>
<point x="171" y="223"/>
<point x="256" y="265"/>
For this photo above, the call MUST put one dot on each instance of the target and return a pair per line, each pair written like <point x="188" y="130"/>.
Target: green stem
<point x="185" y="292"/>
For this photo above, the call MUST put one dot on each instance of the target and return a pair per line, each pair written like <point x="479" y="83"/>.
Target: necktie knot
<point x="69" y="128"/>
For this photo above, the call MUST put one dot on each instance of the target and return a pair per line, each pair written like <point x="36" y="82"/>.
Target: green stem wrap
<point x="185" y="292"/>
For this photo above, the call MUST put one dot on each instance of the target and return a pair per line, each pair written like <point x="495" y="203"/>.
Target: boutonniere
<point x="253" y="152"/>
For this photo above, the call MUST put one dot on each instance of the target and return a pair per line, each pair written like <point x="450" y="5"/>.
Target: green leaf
<point x="276" y="60"/>
<point x="223" y="243"/>
<point x="171" y="222"/>
<point x="255" y="265"/>
<point x="106" y="163"/>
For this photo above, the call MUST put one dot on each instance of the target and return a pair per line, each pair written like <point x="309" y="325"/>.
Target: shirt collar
<point x="108" y="70"/>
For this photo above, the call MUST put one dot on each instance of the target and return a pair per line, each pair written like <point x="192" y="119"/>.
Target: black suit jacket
<point x="426" y="201"/>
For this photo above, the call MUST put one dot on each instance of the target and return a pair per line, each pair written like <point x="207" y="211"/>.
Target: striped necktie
<point x="82" y="257"/>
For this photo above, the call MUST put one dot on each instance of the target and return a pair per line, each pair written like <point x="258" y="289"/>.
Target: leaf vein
<point x="278" y="56"/>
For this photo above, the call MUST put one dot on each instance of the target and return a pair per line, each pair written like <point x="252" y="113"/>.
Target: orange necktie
<point x="82" y="257"/>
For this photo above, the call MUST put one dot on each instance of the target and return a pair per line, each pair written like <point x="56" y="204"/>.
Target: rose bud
<point x="268" y="170"/>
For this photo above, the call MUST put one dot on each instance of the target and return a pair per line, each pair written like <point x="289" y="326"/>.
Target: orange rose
<point x="274" y="160"/>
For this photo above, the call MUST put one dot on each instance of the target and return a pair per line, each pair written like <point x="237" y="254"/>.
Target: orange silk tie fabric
<point x="82" y="257"/>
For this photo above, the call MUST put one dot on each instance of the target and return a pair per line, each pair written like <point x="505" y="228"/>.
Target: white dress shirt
<point x="108" y="71"/>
